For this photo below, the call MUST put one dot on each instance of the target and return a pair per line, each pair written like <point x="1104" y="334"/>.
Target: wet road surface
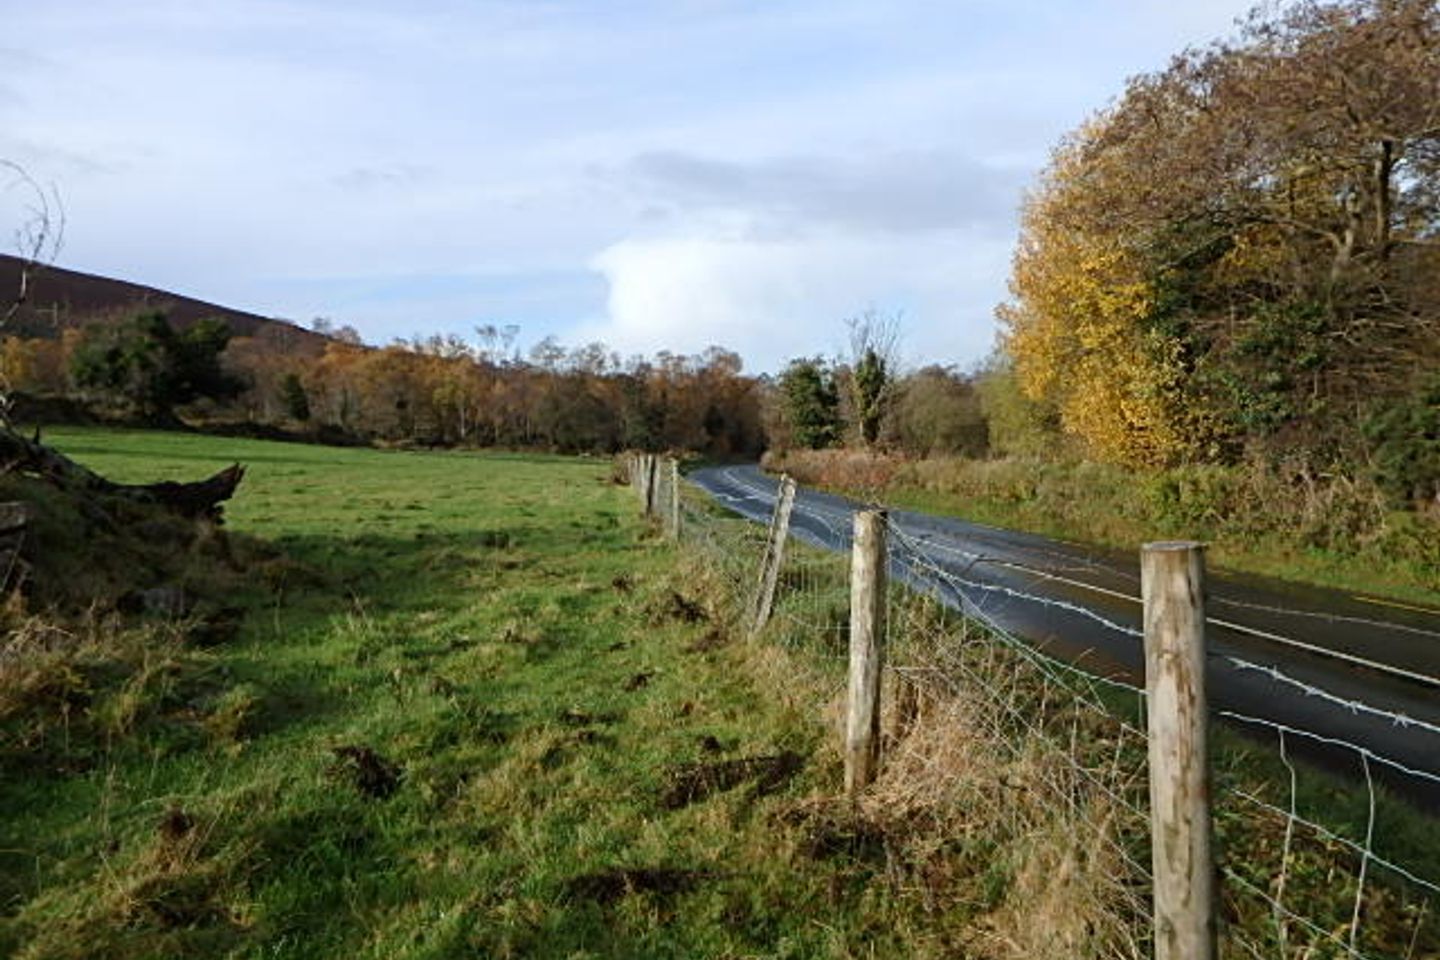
<point x="1347" y="675"/>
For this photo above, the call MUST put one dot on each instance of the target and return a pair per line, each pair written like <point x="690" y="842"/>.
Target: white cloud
<point x="772" y="299"/>
<point x="742" y="171"/>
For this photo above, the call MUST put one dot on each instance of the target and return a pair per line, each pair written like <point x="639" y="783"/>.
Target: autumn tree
<point x="937" y="412"/>
<point x="1078" y="324"/>
<point x="1242" y="252"/>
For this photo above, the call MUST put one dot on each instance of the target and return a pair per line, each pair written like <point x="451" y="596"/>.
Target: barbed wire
<point x="1021" y="698"/>
<point x="1350" y="705"/>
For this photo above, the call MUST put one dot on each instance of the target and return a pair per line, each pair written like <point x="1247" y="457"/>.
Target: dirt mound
<point x="372" y="776"/>
<point x="110" y="598"/>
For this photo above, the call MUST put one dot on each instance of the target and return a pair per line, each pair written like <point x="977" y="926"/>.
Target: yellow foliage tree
<point x="1239" y="256"/>
<point x="1075" y="330"/>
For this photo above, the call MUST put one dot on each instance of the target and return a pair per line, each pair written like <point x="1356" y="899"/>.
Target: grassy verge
<point x="471" y="710"/>
<point x="1012" y="806"/>
<point x="1330" y="534"/>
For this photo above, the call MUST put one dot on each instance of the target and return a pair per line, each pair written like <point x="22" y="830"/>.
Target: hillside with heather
<point x="58" y="300"/>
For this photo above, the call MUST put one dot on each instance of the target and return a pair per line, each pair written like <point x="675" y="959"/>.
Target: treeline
<point x="435" y="391"/>
<point x="936" y="411"/>
<point x="1224" y="322"/>
<point x="1239" y="261"/>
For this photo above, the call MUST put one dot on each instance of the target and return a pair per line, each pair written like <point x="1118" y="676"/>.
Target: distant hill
<point x="61" y="299"/>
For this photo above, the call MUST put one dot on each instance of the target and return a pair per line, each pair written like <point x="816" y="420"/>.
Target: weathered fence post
<point x="674" y="498"/>
<point x="774" y="554"/>
<point x="635" y="464"/>
<point x="651" y="482"/>
<point x="1172" y="584"/>
<point x="867" y="650"/>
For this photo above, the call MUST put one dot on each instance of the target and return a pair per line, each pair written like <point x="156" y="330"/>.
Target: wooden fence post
<point x="651" y="482"/>
<point x="1172" y="585"/>
<point x="867" y="650"/>
<point x="674" y="498"/>
<point x="774" y="554"/>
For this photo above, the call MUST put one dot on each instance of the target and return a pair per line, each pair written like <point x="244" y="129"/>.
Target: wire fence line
<point x="1257" y="877"/>
<point x="1309" y="868"/>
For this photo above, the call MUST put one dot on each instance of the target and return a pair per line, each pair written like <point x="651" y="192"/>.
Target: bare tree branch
<point x="39" y="236"/>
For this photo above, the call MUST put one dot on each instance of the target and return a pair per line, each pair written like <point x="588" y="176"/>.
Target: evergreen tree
<point x="811" y="403"/>
<point x="297" y="402"/>
<point x="146" y="364"/>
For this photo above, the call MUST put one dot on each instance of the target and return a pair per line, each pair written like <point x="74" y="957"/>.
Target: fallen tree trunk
<point x="201" y="499"/>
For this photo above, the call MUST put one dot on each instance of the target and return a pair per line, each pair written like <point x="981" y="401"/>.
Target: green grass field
<point x="477" y="707"/>
<point x="453" y="724"/>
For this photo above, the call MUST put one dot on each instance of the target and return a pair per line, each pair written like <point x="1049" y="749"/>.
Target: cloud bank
<point x="656" y="175"/>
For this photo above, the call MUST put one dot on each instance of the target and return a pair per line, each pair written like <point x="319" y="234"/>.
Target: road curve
<point x="1341" y="671"/>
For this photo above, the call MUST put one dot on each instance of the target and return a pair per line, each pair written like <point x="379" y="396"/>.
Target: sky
<point x="653" y="175"/>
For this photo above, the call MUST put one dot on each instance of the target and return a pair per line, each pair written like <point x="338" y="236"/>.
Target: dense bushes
<point x="1406" y="442"/>
<point x="154" y="368"/>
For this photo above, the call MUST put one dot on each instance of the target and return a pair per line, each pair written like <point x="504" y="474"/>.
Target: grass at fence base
<point x="955" y="831"/>
<point x="1009" y="817"/>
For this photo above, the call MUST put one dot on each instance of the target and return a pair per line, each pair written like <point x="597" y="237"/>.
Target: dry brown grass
<point x="988" y="839"/>
<point x="973" y="835"/>
<point x="66" y="690"/>
<point x="180" y="892"/>
<point x="862" y="471"/>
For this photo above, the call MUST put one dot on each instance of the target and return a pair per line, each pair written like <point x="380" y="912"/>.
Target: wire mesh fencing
<point x="992" y="735"/>
<point x="1310" y="866"/>
<point x="1039" y="753"/>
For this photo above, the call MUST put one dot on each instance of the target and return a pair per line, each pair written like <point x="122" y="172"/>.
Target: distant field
<point x="452" y="725"/>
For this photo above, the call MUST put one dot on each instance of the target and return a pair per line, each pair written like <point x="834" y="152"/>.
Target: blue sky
<point x="653" y="175"/>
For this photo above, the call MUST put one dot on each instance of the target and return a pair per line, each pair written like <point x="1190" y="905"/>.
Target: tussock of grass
<point x="69" y="694"/>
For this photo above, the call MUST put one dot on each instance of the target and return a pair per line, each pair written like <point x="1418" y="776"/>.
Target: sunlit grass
<point x="498" y="630"/>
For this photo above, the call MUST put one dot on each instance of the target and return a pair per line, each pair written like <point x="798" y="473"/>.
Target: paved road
<point x="1082" y="603"/>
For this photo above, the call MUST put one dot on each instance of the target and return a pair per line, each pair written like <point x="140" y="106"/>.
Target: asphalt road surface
<point x="1341" y="671"/>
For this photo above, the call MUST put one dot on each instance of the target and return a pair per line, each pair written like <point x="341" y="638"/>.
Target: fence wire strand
<point x="1065" y="747"/>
